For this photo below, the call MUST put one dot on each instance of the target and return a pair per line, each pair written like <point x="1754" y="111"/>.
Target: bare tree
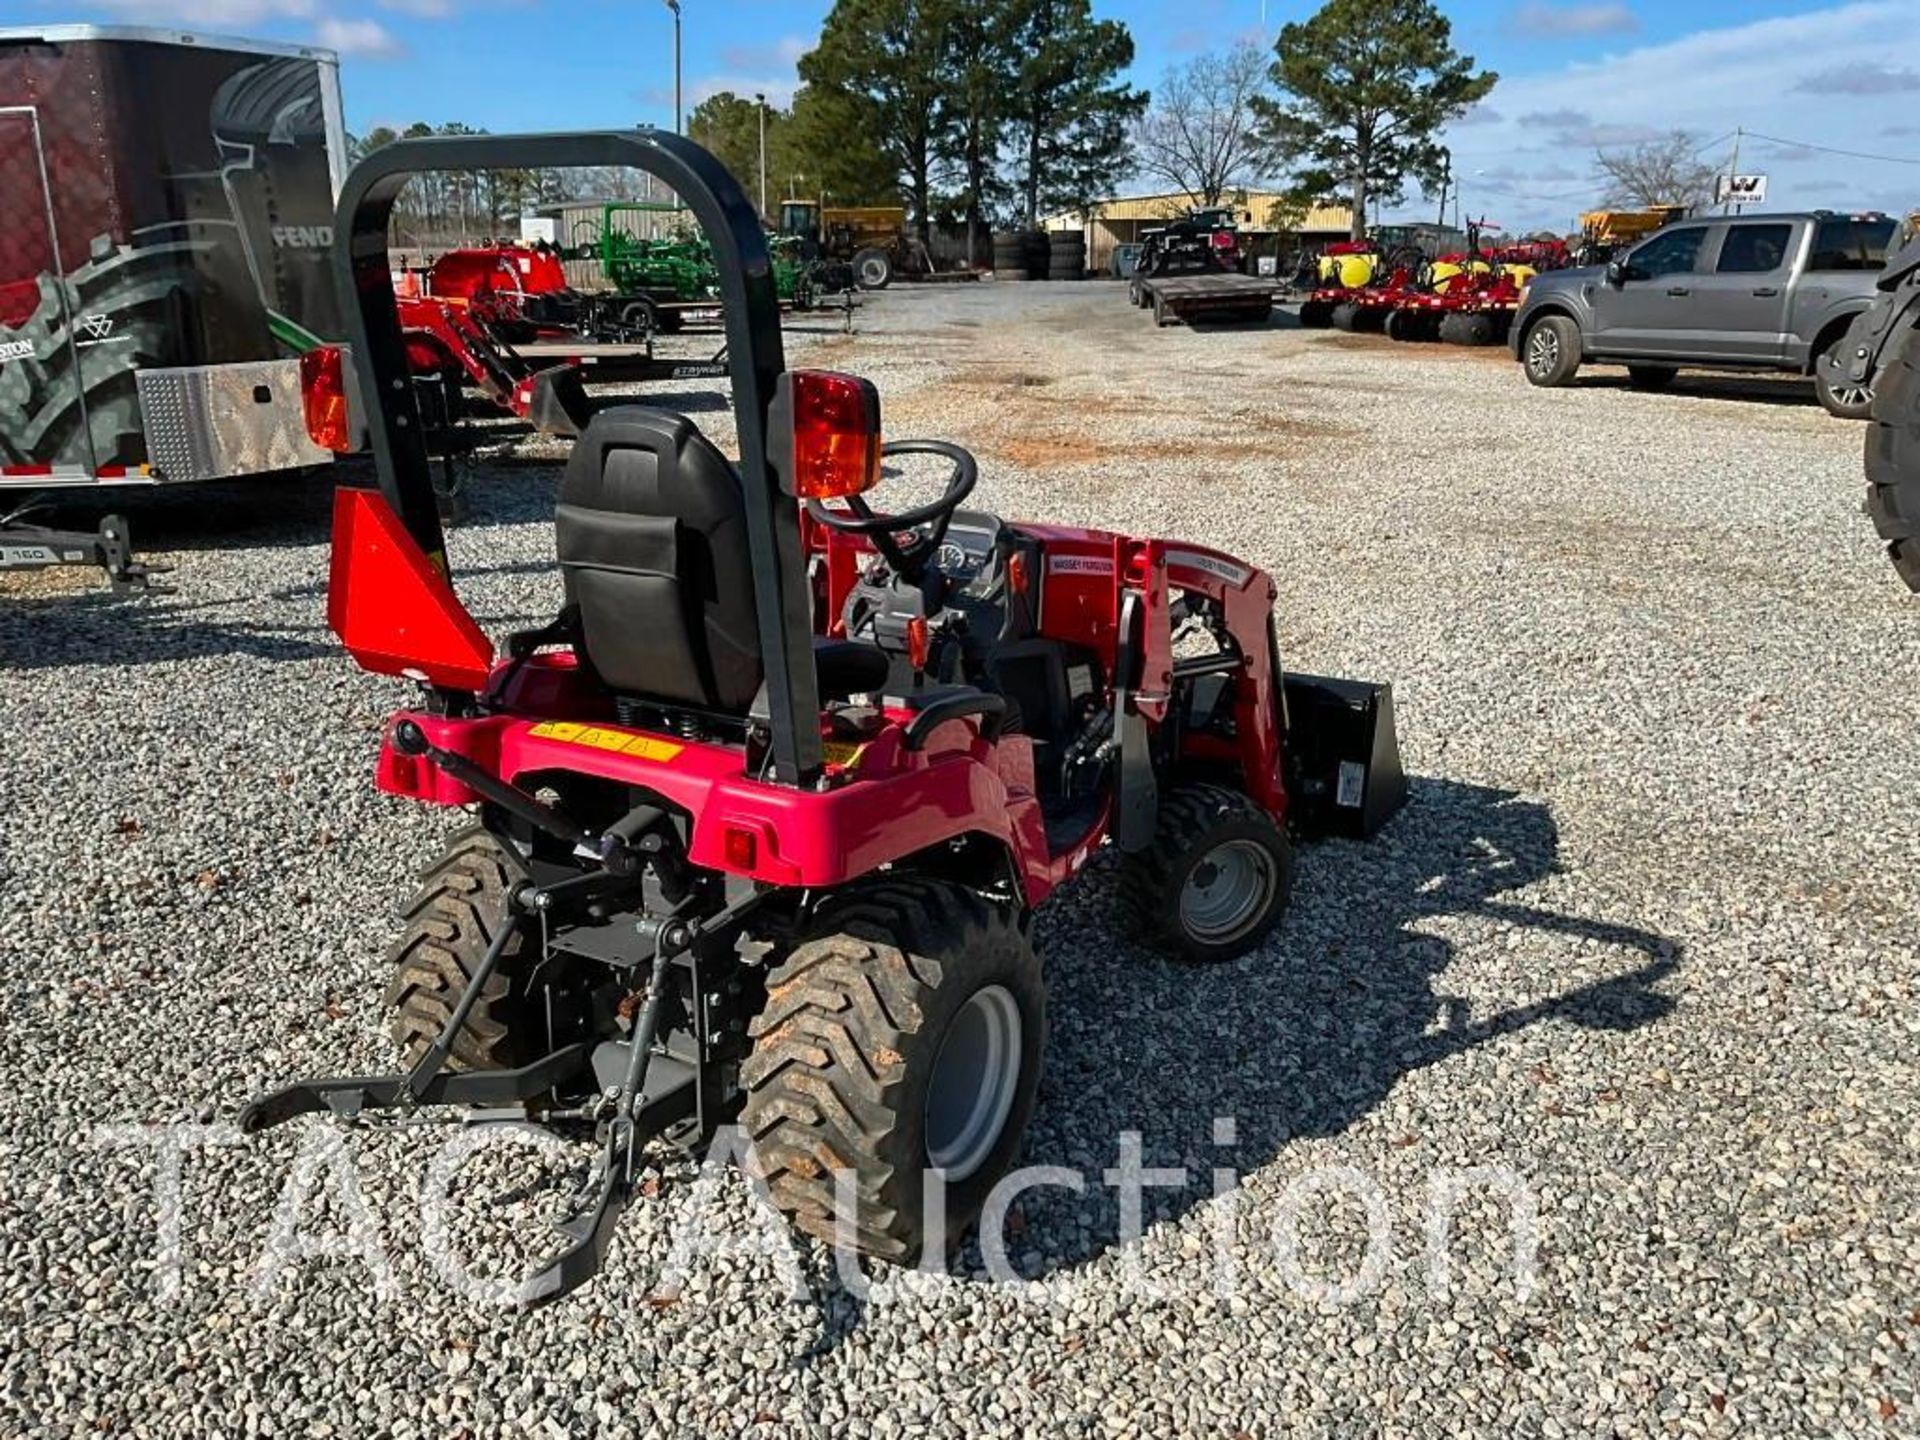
<point x="1198" y="134"/>
<point x="1666" y="171"/>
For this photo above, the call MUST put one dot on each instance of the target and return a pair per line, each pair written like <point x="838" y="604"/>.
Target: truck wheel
<point x="873" y="269"/>
<point x="1893" y="457"/>
<point x="1136" y="297"/>
<point x="1160" y="316"/>
<point x="1216" y="878"/>
<point x="1550" y="352"/>
<point x="461" y="903"/>
<point x="1840" y="397"/>
<point x="1651" y="377"/>
<point x="905" y="1036"/>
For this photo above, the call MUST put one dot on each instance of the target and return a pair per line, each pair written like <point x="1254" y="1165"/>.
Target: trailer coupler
<point x="35" y="547"/>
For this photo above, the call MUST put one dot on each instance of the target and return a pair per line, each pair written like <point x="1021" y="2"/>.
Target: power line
<point x="1831" y="150"/>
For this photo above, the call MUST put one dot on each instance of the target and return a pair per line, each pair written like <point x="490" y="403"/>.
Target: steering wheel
<point x="884" y="530"/>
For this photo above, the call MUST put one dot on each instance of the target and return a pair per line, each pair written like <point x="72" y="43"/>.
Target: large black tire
<point x="1203" y="826"/>
<point x="1315" y="314"/>
<point x="1651" y="377"/>
<point x="1467" y="330"/>
<point x="873" y="269"/>
<point x="1842" y="400"/>
<point x="1345" y="316"/>
<point x="845" y="1070"/>
<point x="1550" y="351"/>
<point x="1893" y="456"/>
<point x="461" y="903"/>
<point x="1405" y="326"/>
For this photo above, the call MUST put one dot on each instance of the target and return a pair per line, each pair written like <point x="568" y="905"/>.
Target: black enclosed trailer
<point x="166" y="208"/>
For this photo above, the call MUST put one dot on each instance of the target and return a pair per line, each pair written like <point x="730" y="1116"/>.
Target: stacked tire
<point x="1067" y="255"/>
<point x="1009" y="255"/>
<point x="1037" y="252"/>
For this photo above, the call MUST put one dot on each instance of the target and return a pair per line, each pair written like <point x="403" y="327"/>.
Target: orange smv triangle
<point x="392" y="608"/>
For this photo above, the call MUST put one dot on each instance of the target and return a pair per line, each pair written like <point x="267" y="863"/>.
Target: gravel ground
<point x="1644" y="939"/>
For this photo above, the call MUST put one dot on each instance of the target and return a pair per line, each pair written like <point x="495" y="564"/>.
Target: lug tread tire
<point x="1893" y="457"/>
<point x="842" y="1045"/>
<point x="449" y="924"/>
<point x="1152" y="879"/>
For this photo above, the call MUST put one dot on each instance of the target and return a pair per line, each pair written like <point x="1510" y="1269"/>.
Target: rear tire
<point x="461" y="903"/>
<point x="1550" y="351"/>
<point x="1471" y="330"/>
<point x="1893" y="456"/>
<point x="1651" y="377"/>
<point x="873" y="269"/>
<point x="854" y="1065"/>
<point x="1215" y="880"/>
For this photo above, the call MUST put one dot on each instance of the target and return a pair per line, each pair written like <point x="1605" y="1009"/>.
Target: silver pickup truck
<point x="1771" y="292"/>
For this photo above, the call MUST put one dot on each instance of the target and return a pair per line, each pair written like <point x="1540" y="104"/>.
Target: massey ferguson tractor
<point x="1881" y="355"/>
<point x="761" y="818"/>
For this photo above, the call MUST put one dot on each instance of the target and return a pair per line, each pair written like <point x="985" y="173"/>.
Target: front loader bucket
<point x="1343" y="754"/>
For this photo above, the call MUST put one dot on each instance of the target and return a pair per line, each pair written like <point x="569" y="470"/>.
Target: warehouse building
<point x="1269" y="225"/>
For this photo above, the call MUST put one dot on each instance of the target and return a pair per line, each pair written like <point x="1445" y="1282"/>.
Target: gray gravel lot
<point x="1645" y="938"/>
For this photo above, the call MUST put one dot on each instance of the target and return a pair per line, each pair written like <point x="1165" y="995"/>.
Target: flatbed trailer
<point x="1210" y="297"/>
<point x="606" y="363"/>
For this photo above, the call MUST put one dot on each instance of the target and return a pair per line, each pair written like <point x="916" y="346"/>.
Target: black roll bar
<point x="755" y="357"/>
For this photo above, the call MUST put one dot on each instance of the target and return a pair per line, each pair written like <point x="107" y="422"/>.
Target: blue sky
<point x="1575" y="73"/>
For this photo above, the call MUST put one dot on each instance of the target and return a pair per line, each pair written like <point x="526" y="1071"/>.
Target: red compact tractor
<point x="761" y="818"/>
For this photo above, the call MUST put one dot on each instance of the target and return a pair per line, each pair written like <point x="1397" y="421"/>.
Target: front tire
<point x="1215" y="880"/>
<point x="1838" y="396"/>
<point x="1893" y="456"/>
<point x="905" y="1036"/>
<point x="1550" y="353"/>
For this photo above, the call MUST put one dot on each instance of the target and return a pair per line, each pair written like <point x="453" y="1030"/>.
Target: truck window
<point x="1754" y="249"/>
<point x="1672" y="252"/>
<point x="1847" y="244"/>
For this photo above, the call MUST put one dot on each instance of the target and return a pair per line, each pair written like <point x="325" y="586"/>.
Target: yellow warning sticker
<point x="842" y="752"/>
<point x="600" y="737"/>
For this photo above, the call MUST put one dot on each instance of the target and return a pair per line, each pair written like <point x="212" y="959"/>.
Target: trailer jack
<point x="36" y="547"/>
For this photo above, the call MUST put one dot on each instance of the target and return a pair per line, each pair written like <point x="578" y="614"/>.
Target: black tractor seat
<point x="651" y="532"/>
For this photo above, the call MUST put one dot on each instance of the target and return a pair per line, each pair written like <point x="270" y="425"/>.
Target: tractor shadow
<point x="1303" y="1039"/>
<point x="98" y="630"/>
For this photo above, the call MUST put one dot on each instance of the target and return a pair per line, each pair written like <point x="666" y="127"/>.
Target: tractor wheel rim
<point x="1543" y="350"/>
<point x="872" y="272"/>
<point x="975" y="1080"/>
<point x="1851" y="396"/>
<point x="1227" y="892"/>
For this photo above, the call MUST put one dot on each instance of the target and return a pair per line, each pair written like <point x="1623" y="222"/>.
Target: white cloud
<point x="1861" y="80"/>
<point x="1707" y="83"/>
<point x="368" y="39"/>
<point x="1558" y="22"/>
<point x="420" y="9"/>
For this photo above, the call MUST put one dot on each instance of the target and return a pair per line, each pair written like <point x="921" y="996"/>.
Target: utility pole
<point x="679" y="127"/>
<point x="1733" y="169"/>
<point x="761" y="100"/>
